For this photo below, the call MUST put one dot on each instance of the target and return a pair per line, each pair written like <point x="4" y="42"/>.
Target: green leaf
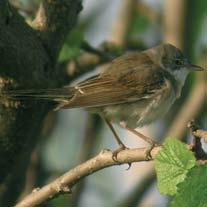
<point x="172" y="164"/>
<point x="193" y="191"/>
<point x="72" y="46"/>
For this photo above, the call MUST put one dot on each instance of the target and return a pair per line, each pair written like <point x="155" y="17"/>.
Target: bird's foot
<point x="149" y="150"/>
<point x="140" y="135"/>
<point x="115" y="153"/>
<point x="119" y="149"/>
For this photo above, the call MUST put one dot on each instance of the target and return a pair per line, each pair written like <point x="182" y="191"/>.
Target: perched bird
<point x="134" y="90"/>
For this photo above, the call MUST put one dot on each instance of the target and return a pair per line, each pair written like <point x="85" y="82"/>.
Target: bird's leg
<point x="142" y="136"/>
<point x="120" y="143"/>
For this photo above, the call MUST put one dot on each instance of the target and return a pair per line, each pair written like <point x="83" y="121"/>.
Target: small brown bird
<point x="136" y="89"/>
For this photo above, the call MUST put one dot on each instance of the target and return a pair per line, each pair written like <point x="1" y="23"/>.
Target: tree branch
<point x="26" y="62"/>
<point x="88" y="59"/>
<point x="64" y="183"/>
<point x="53" y="22"/>
<point x="196" y="145"/>
<point x="23" y="63"/>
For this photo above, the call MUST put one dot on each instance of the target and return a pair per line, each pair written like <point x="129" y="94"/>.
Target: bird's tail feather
<point x="40" y="94"/>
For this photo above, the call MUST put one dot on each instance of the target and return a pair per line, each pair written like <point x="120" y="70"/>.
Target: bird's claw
<point x="129" y="165"/>
<point x="115" y="152"/>
<point x="149" y="150"/>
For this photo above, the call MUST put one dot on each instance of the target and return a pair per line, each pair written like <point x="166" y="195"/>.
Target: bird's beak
<point x="196" y="68"/>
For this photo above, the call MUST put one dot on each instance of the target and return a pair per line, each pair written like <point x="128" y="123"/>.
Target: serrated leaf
<point x="193" y="191"/>
<point x="72" y="45"/>
<point x="172" y="164"/>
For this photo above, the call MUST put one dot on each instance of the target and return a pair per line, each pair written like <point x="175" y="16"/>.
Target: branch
<point x="23" y="63"/>
<point x="104" y="159"/>
<point x="54" y="20"/>
<point x="26" y="62"/>
<point x="88" y="59"/>
<point x="196" y="145"/>
<point x="202" y="134"/>
<point x="101" y="53"/>
<point x="64" y="183"/>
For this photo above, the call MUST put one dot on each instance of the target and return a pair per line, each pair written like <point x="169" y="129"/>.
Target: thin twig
<point x="87" y="47"/>
<point x="201" y="133"/>
<point x="196" y="145"/>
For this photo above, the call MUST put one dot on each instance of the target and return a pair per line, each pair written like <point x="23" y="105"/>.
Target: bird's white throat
<point x="180" y="75"/>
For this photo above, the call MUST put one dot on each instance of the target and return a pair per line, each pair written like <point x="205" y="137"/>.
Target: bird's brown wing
<point x="108" y="89"/>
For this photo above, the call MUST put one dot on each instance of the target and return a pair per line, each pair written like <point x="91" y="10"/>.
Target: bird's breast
<point x="140" y="113"/>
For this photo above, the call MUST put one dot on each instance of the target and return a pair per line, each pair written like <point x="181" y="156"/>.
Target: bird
<point x="135" y="89"/>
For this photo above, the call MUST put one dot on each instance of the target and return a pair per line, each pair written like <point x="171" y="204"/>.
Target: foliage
<point x="178" y="176"/>
<point x="72" y="45"/>
<point x="192" y="192"/>
<point x="172" y="164"/>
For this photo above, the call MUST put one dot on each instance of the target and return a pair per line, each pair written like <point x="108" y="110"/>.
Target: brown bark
<point x="27" y="60"/>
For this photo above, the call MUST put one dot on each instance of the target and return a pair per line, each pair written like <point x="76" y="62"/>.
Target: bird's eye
<point x="179" y="62"/>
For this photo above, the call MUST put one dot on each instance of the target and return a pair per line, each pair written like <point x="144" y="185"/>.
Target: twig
<point x="201" y="133"/>
<point x="84" y="63"/>
<point x="88" y="60"/>
<point x="87" y="47"/>
<point x="64" y="183"/>
<point x="198" y="134"/>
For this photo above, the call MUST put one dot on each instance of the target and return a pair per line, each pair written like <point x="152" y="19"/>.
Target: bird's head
<point x="173" y="60"/>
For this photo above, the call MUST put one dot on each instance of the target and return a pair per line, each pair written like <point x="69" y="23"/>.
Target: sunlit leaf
<point x="172" y="164"/>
